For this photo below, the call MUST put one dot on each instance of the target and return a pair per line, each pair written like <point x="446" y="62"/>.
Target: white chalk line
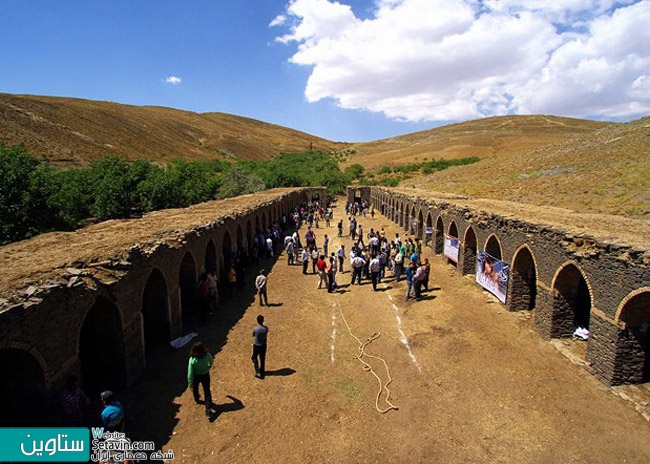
<point x="403" y="338"/>
<point x="333" y="336"/>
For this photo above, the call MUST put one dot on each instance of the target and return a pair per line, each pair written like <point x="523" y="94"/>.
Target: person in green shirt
<point x="198" y="372"/>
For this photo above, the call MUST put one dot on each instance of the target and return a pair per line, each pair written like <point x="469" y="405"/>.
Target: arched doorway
<point x="155" y="313"/>
<point x="101" y="349"/>
<point x="571" y="302"/>
<point x="453" y="233"/>
<point x="470" y="252"/>
<point x="493" y="247"/>
<point x="633" y="345"/>
<point x="523" y="281"/>
<point x="22" y="390"/>
<point x="440" y="237"/>
<point x="187" y="284"/>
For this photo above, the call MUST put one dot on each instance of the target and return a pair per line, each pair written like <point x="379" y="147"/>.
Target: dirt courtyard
<point x="472" y="382"/>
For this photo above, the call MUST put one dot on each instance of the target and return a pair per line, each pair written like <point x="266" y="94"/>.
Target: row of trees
<point x="36" y="197"/>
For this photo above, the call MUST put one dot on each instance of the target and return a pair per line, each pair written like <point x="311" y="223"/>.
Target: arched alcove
<point x="22" y="390"/>
<point x="155" y="313"/>
<point x="523" y="281"/>
<point x="469" y="252"/>
<point x="453" y="232"/>
<point x="187" y="283"/>
<point x="101" y="349"/>
<point x="493" y="247"/>
<point x="633" y="345"/>
<point x="210" y="259"/>
<point x="439" y="237"/>
<point x="571" y="302"/>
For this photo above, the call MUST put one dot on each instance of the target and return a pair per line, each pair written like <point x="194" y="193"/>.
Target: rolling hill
<point x="582" y="165"/>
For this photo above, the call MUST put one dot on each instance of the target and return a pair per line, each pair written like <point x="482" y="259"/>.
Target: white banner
<point x="450" y="250"/>
<point x="492" y="274"/>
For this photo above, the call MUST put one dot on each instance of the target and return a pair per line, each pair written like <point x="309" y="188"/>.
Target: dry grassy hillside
<point x="483" y="137"/>
<point x="73" y="132"/>
<point x="603" y="171"/>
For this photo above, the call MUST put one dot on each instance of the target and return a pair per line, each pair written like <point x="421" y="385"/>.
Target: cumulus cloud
<point x="173" y="80"/>
<point x="445" y="60"/>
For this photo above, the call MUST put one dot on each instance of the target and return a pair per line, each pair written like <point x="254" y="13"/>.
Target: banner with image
<point x="492" y="274"/>
<point x="450" y="250"/>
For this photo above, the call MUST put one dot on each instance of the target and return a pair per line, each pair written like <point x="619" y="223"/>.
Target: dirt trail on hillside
<point x="473" y="382"/>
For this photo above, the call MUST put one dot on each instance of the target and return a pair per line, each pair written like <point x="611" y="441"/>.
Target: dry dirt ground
<point x="472" y="382"/>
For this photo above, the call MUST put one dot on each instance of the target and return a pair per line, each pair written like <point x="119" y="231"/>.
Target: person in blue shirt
<point x="113" y="412"/>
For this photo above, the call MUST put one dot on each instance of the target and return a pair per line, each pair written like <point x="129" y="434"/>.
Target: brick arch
<point x="632" y="349"/>
<point x="452" y="231"/>
<point x="572" y="300"/>
<point x="428" y="238"/>
<point x="187" y="279"/>
<point x="469" y="251"/>
<point x="210" y="258"/>
<point x="156" y="320"/>
<point x="420" y="231"/>
<point x="23" y="387"/>
<point x="522" y="292"/>
<point x="241" y="239"/>
<point x="493" y="246"/>
<point x="101" y="348"/>
<point x="439" y="241"/>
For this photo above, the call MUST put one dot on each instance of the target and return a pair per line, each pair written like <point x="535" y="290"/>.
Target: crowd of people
<point x="371" y="255"/>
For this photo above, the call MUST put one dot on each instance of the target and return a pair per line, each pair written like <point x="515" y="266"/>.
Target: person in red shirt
<point x="320" y="266"/>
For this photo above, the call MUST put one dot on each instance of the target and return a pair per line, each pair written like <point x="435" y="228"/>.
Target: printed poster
<point x="450" y="250"/>
<point x="492" y="274"/>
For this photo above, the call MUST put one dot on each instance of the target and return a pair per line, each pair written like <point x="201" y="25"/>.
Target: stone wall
<point x="566" y="278"/>
<point x="104" y="318"/>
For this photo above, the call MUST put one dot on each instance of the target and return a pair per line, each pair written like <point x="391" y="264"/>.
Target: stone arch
<point x="249" y="234"/>
<point x="187" y="280"/>
<point x="453" y="232"/>
<point x="469" y="252"/>
<point x="571" y="301"/>
<point x="210" y="259"/>
<point x="493" y="246"/>
<point x="227" y="248"/>
<point x="102" y="348"/>
<point x="265" y="224"/>
<point x="633" y="345"/>
<point x="428" y="238"/>
<point x="413" y="222"/>
<point x="523" y="280"/>
<point x="439" y="237"/>
<point x="406" y="223"/>
<point x="420" y="233"/>
<point x="241" y="245"/>
<point x="155" y="313"/>
<point x="22" y="389"/>
<point x="258" y="226"/>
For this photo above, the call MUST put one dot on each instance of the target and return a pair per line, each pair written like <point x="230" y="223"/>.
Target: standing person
<point x="305" y="260"/>
<point x="314" y="260"/>
<point x="213" y="281"/>
<point x="340" y="227"/>
<point x="73" y="402"/>
<point x="334" y="270"/>
<point x="360" y="235"/>
<point x="340" y="253"/>
<point x="410" y="271"/>
<point x="329" y="271"/>
<point x="418" y="281"/>
<point x="203" y="289"/>
<point x="427" y="273"/>
<point x="398" y="265"/>
<point x="198" y="372"/>
<point x="375" y="268"/>
<point x="326" y="242"/>
<point x="113" y="412"/>
<point x="289" y="250"/>
<point x="322" y="273"/>
<point x="260" y="286"/>
<point x="260" y="333"/>
<point x="357" y="264"/>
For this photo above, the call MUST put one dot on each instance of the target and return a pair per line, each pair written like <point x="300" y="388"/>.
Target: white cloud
<point x="173" y="80"/>
<point x="444" y="60"/>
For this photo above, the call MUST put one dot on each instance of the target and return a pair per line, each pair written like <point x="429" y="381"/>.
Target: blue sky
<point x="346" y="71"/>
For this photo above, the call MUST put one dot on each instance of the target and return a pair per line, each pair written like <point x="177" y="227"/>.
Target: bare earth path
<point x="473" y="382"/>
